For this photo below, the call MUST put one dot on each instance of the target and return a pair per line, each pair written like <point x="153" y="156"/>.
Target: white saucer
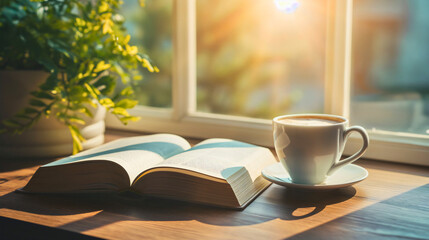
<point x="343" y="177"/>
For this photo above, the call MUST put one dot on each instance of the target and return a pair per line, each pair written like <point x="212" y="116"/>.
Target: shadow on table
<point x="12" y="164"/>
<point x="275" y="202"/>
<point x="288" y="204"/>
<point x="16" y="229"/>
<point x="405" y="216"/>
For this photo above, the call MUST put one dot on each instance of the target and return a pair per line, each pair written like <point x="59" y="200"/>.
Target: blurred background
<point x="390" y="65"/>
<point x="256" y="59"/>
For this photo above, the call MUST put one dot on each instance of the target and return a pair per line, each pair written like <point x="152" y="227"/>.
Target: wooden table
<point x="393" y="202"/>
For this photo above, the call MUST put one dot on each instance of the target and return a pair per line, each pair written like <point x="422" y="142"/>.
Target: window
<point x="257" y="61"/>
<point x="335" y="78"/>
<point x="390" y="77"/>
<point x="390" y="80"/>
<point x="150" y="29"/>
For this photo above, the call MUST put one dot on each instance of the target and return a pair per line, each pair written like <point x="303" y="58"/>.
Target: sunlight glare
<point x="287" y="6"/>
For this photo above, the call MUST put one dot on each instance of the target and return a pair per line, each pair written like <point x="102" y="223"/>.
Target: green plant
<point x="84" y="48"/>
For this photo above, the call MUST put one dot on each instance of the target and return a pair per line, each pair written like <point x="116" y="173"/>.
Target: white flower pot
<point x="48" y="137"/>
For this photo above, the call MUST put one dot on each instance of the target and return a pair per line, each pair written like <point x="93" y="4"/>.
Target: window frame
<point x="184" y="119"/>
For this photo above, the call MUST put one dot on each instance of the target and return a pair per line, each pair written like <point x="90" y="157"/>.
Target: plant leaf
<point x="29" y="110"/>
<point x="77" y="139"/>
<point x="105" y="84"/>
<point x="127" y="103"/>
<point x="11" y="123"/>
<point x="126" y="119"/>
<point x="120" y="111"/>
<point x="76" y="120"/>
<point x="42" y="95"/>
<point x="93" y="91"/>
<point x="37" y="103"/>
<point x="127" y="91"/>
<point x="87" y="112"/>
<point x="107" y="102"/>
<point x="101" y="66"/>
<point x="23" y="116"/>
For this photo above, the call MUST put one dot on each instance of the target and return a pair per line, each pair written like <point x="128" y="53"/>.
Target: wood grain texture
<point x="391" y="203"/>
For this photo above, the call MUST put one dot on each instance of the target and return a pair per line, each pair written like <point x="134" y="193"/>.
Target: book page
<point x="221" y="158"/>
<point x="134" y="154"/>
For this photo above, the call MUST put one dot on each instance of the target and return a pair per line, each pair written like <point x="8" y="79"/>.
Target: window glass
<point x="260" y="58"/>
<point x="390" y="68"/>
<point x="150" y="28"/>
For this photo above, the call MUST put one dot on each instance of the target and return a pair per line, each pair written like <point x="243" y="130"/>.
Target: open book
<point x="218" y="172"/>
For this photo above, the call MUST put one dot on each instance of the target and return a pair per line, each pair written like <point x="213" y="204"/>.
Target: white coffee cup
<point x="310" y="146"/>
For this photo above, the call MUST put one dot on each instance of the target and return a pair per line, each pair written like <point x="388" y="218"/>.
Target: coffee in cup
<point x="310" y="146"/>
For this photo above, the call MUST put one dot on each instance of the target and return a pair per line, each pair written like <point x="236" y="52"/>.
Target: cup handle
<point x="355" y="156"/>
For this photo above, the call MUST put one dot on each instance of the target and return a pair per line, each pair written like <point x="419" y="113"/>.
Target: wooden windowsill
<point x="390" y="203"/>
